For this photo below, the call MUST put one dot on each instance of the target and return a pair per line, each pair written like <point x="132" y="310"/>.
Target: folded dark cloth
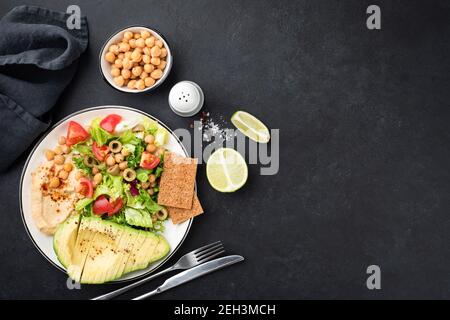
<point x="38" y="58"/>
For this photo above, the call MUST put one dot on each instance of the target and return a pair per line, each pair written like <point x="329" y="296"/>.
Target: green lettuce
<point x="79" y="163"/>
<point x="142" y="174"/>
<point x="150" y="125"/>
<point x="135" y="158"/>
<point x="83" y="149"/>
<point x="138" y="217"/>
<point x="111" y="186"/>
<point x="98" y="134"/>
<point x="128" y="137"/>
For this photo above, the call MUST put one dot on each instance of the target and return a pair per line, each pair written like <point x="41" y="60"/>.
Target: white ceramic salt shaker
<point x="186" y="98"/>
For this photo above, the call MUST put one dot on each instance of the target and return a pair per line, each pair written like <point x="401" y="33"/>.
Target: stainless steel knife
<point x="193" y="273"/>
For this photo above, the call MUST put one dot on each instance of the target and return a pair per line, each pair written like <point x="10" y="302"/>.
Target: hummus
<point x="50" y="207"/>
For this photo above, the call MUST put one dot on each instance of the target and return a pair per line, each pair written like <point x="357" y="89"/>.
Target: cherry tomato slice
<point x="148" y="160"/>
<point x="102" y="206"/>
<point x="116" y="206"/>
<point x="86" y="187"/>
<point x="75" y="133"/>
<point x="99" y="152"/>
<point x="110" y="122"/>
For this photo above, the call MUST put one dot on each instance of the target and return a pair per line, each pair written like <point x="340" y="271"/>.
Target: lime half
<point x="251" y="126"/>
<point x="226" y="170"/>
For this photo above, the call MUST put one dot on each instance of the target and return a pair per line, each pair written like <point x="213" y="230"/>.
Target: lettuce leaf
<point x="98" y="134"/>
<point x="79" y="163"/>
<point x="128" y="137"/>
<point x="83" y="149"/>
<point x="142" y="174"/>
<point x="150" y="125"/>
<point x="111" y="186"/>
<point x="135" y="158"/>
<point x="138" y="217"/>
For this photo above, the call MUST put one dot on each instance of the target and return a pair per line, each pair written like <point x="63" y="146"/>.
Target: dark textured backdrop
<point x="365" y="145"/>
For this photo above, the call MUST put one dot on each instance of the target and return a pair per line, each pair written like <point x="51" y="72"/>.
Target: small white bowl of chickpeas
<point x="135" y="60"/>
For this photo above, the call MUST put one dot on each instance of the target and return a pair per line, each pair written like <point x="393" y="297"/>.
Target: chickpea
<point x="137" y="35"/>
<point x="58" y="150"/>
<point x="145" y="185"/>
<point x="146" y="51"/>
<point x="63" y="174"/>
<point x="125" y="152"/>
<point x="119" y="81"/>
<point x="151" y="147"/>
<point x="94" y="184"/>
<point x="149" y="81"/>
<point x="65" y="149"/>
<point x="140" y="43"/>
<point x="127" y="55"/>
<point x="114" y="49"/>
<point x="160" y="151"/>
<point x="153" y="184"/>
<point x="118" y="63"/>
<point x="118" y="157"/>
<point x="163" y="53"/>
<point x="143" y="75"/>
<point x="110" y="57"/>
<point x="110" y="160"/>
<point x="49" y="154"/>
<point x="123" y="165"/>
<point x="115" y="72"/>
<point x="156" y="74"/>
<point x="162" y="65"/>
<point x="98" y="178"/>
<point x="151" y="178"/>
<point x="62" y="140"/>
<point x="155" y="61"/>
<point x="159" y="43"/>
<point x="68" y="167"/>
<point x="127" y="63"/>
<point x="149" y="68"/>
<point x="140" y="84"/>
<point x="124" y="47"/>
<point x="151" y="192"/>
<point x="78" y="175"/>
<point x="136" y="56"/>
<point x="131" y="84"/>
<point x="145" y="34"/>
<point x="121" y="56"/>
<point x="95" y="170"/>
<point x="54" y="182"/>
<point x="149" y="138"/>
<point x="126" y="73"/>
<point x="132" y="43"/>
<point x="59" y="159"/>
<point x="128" y="35"/>
<point x="146" y="59"/>
<point x="137" y="71"/>
<point x="155" y="51"/>
<point x="138" y="49"/>
<point x="150" y="42"/>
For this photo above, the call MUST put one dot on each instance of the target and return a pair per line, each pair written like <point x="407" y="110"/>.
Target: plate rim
<point x="46" y="133"/>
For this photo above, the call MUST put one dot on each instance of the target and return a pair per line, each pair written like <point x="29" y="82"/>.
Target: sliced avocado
<point x="103" y="256"/>
<point x="65" y="238"/>
<point x="162" y="249"/>
<point x="103" y="251"/>
<point x="82" y="245"/>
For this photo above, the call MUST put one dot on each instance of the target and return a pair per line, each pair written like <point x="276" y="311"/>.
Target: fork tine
<point x="211" y="256"/>
<point x="207" y="251"/>
<point x="205" y="247"/>
<point x="199" y="258"/>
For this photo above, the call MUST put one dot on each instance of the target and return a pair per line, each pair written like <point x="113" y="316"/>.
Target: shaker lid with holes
<point x="186" y="98"/>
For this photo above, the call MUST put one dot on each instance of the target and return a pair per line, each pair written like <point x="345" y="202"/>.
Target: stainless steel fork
<point x="189" y="260"/>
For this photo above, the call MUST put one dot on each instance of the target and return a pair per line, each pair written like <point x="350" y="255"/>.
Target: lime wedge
<point x="226" y="170"/>
<point x="251" y="126"/>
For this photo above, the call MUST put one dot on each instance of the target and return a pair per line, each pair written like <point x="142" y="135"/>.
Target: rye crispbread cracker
<point x="179" y="215"/>
<point x="176" y="188"/>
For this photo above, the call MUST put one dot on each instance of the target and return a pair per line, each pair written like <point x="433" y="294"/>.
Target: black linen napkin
<point x="38" y="58"/>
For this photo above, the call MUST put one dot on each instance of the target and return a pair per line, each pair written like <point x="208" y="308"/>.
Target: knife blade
<point x="193" y="273"/>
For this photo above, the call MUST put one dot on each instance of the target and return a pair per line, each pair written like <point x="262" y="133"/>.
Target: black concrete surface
<point x="364" y="145"/>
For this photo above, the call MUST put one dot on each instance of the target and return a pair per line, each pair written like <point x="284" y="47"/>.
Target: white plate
<point x="175" y="234"/>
